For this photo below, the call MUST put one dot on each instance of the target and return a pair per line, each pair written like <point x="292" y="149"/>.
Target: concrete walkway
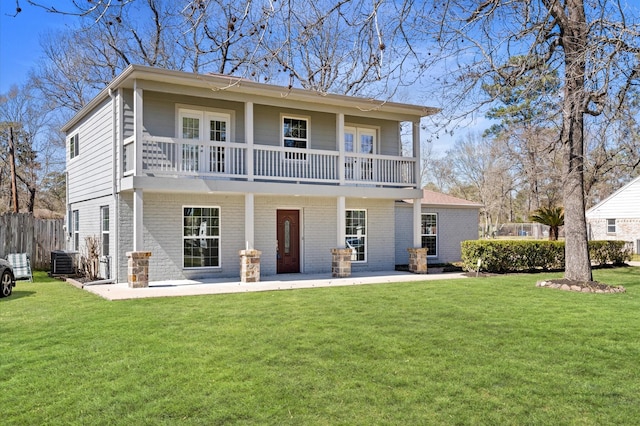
<point x="122" y="291"/>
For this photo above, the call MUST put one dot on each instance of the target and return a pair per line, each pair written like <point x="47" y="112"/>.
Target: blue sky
<point x="20" y="48"/>
<point x="19" y="39"/>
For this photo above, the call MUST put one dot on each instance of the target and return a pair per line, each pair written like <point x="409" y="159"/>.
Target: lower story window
<point x="611" y="226"/>
<point x="104" y="231"/>
<point x="201" y="237"/>
<point x="76" y="229"/>
<point x="429" y="233"/>
<point x="356" y="234"/>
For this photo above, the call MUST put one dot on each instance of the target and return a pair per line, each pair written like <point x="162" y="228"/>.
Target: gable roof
<point x="624" y="203"/>
<point x="241" y="88"/>
<point x="438" y="199"/>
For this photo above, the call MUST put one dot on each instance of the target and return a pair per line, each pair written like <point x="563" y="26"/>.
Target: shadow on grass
<point x="18" y="294"/>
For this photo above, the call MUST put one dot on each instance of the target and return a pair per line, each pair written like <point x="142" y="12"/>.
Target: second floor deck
<point x="183" y="158"/>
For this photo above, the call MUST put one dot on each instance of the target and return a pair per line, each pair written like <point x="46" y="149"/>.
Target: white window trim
<point x="430" y="235"/>
<point x="614" y="227"/>
<point x="76" y="137"/>
<point x="105" y="233"/>
<point x="75" y="223"/>
<point x="219" y="237"/>
<point x="295" y="117"/>
<point x="366" y="237"/>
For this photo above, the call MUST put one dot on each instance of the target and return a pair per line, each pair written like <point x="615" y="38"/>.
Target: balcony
<point x="171" y="157"/>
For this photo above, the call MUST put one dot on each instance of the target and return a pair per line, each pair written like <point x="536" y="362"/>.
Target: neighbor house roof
<point x="247" y="89"/>
<point x="625" y="202"/>
<point x="433" y="198"/>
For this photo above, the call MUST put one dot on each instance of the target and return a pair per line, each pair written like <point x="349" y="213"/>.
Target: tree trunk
<point x="12" y="165"/>
<point x="577" y="261"/>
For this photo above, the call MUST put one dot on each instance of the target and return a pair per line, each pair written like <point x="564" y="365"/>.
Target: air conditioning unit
<point x="63" y="262"/>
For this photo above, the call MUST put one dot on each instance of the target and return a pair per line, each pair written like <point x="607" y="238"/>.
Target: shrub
<point x="615" y="252"/>
<point x="525" y="255"/>
<point x="512" y="255"/>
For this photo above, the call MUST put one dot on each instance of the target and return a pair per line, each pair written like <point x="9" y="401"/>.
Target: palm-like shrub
<point x="553" y="217"/>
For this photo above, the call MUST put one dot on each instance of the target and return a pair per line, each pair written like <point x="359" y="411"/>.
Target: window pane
<point x="218" y="131"/>
<point x="190" y="128"/>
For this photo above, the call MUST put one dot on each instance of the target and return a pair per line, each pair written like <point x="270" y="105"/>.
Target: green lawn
<point x="475" y="351"/>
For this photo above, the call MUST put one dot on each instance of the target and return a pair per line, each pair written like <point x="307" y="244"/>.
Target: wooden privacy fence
<point x="22" y="233"/>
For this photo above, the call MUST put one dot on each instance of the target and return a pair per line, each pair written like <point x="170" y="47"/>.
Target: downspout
<point x="115" y="265"/>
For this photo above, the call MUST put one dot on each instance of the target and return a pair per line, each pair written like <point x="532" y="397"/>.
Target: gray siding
<point x="268" y="123"/>
<point x="91" y="172"/>
<point x="454" y="226"/>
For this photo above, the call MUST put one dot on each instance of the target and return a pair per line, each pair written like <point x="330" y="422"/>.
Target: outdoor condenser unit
<point x="63" y="262"/>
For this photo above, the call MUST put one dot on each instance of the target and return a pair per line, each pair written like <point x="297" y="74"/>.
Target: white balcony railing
<point x="163" y="156"/>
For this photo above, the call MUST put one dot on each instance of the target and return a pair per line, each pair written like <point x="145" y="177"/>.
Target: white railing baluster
<point x="176" y="157"/>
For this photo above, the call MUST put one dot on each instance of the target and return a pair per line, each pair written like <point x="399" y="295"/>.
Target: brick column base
<point x="418" y="260"/>
<point x="138" y="268"/>
<point x="341" y="262"/>
<point x="250" y="266"/>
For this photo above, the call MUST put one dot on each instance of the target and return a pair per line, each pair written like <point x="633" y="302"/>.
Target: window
<point x="295" y="134"/>
<point x="611" y="226"/>
<point x="104" y="229"/>
<point x="74" y="146"/>
<point x="76" y="229"/>
<point x="356" y="234"/>
<point x="429" y="233"/>
<point x="201" y="237"/>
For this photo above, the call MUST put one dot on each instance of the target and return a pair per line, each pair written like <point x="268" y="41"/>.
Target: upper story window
<point x="429" y="233"/>
<point x="295" y="134"/>
<point x="611" y="226"/>
<point x="74" y="146"/>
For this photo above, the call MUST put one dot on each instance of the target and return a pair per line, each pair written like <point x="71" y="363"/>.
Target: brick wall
<point x="626" y="230"/>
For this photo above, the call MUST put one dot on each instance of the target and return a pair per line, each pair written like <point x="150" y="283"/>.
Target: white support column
<point x="416" y="153"/>
<point x="342" y="223"/>
<point x="417" y="223"/>
<point x="138" y="223"/>
<point x="249" y="221"/>
<point x="340" y="139"/>
<point x="137" y="127"/>
<point x="248" y="134"/>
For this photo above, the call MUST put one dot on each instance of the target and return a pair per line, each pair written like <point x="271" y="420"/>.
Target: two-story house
<point x="195" y="168"/>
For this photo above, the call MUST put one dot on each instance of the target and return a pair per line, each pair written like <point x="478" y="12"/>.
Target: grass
<point x="475" y="351"/>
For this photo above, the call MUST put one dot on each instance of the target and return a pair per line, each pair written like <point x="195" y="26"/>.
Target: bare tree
<point x="593" y="46"/>
<point x="23" y="118"/>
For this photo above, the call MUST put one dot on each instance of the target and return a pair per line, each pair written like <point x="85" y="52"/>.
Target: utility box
<point x="63" y="262"/>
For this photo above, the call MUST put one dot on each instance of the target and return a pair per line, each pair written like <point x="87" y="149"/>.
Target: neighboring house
<point x="196" y="167"/>
<point x="446" y="221"/>
<point x="617" y="217"/>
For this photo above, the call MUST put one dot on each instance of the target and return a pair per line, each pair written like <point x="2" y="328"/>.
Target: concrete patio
<point x="121" y="291"/>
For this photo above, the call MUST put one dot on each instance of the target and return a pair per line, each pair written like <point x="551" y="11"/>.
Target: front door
<point x="288" y="243"/>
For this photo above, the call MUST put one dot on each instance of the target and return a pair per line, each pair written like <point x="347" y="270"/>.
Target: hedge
<point x="502" y="256"/>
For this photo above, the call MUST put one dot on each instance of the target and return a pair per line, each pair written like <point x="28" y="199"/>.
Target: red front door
<point x="288" y="244"/>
